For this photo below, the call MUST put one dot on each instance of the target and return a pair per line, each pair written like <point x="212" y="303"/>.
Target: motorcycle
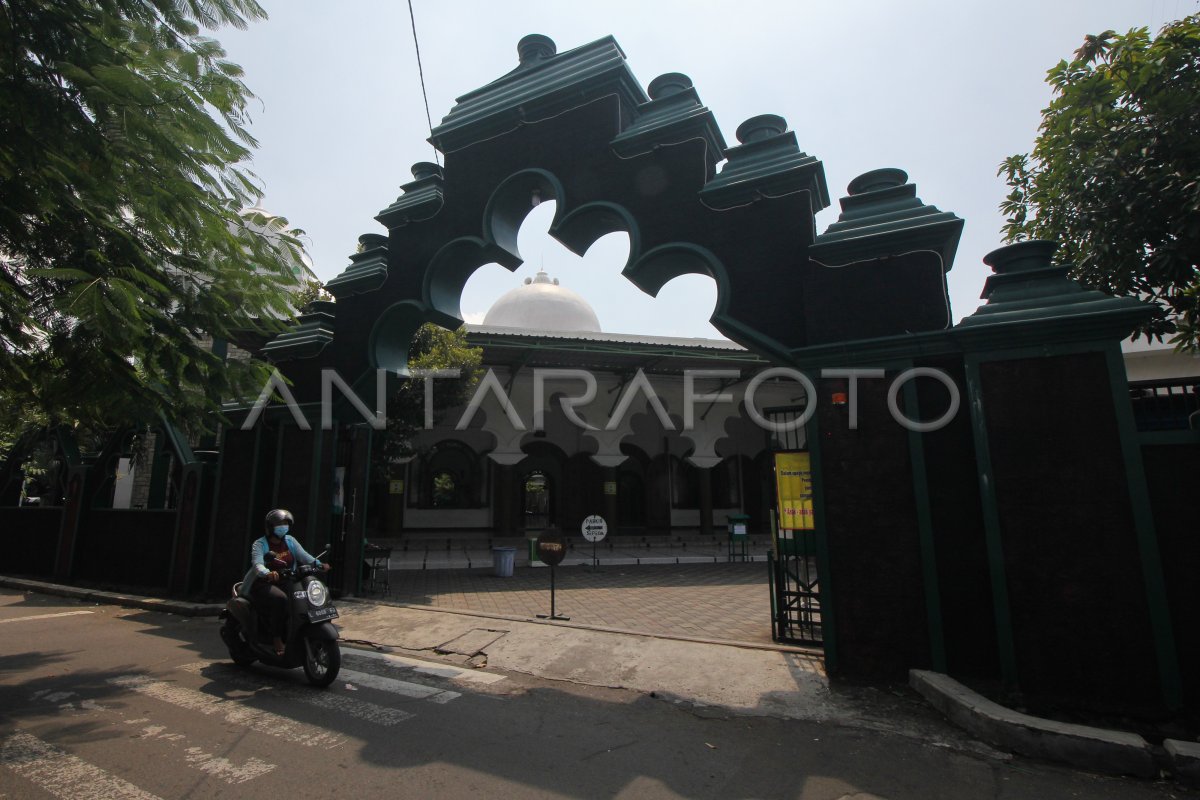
<point x="311" y="640"/>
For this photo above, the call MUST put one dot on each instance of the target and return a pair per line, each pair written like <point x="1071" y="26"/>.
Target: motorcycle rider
<point x="276" y="550"/>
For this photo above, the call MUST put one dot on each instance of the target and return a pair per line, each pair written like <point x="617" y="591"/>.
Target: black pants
<point x="271" y="603"/>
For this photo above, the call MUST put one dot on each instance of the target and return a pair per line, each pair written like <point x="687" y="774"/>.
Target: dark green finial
<point x="1021" y="257"/>
<point x="534" y="48"/>
<point x="668" y="84"/>
<point x="764" y="126"/>
<point x="426" y="169"/>
<point x="877" y="179"/>
<point x="370" y="241"/>
<point x="1025" y="287"/>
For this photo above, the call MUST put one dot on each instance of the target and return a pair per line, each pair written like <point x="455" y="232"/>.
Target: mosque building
<point x="631" y="451"/>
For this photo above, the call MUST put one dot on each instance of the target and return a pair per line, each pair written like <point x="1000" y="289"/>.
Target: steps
<point x="458" y="550"/>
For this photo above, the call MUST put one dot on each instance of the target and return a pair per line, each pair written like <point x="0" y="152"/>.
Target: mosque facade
<point x="650" y="432"/>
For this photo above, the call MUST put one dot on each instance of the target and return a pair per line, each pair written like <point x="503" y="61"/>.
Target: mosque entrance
<point x="577" y="128"/>
<point x="631" y="501"/>
<point x="929" y="553"/>
<point x="537" y="492"/>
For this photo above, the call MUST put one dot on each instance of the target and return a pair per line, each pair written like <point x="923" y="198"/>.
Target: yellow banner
<point x="793" y="484"/>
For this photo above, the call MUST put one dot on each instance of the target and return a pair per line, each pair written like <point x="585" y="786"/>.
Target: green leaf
<point x="120" y="200"/>
<point x="1113" y="170"/>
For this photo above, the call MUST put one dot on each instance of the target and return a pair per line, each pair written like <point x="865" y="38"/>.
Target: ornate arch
<point x="577" y="127"/>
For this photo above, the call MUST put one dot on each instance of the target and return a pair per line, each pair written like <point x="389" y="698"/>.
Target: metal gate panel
<point x="795" y="589"/>
<point x="794" y="582"/>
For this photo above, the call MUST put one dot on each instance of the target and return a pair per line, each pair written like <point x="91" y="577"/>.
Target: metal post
<point x="553" y="613"/>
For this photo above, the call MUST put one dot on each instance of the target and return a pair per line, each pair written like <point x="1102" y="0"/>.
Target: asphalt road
<point x="104" y="702"/>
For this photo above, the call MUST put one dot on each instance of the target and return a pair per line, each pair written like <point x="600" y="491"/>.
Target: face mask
<point x="280" y="530"/>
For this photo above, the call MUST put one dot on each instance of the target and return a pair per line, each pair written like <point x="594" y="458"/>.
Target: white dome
<point x="542" y="305"/>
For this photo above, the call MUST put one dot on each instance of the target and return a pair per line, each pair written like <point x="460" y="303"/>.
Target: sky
<point x="942" y="90"/>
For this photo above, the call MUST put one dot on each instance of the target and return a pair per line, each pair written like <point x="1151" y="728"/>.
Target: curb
<point x="1185" y="760"/>
<point x="114" y="598"/>
<point x="1094" y="749"/>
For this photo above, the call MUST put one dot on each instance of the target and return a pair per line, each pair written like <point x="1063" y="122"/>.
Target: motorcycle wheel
<point x="239" y="650"/>
<point x="322" y="660"/>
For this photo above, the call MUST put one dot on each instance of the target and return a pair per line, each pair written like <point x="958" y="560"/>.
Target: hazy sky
<point x="942" y="90"/>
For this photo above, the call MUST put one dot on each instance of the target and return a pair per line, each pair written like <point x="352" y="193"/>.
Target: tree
<point x="127" y="227"/>
<point x="432" y="348"/>
<point x="1115" y="172"/>
<point x="309" y="291"/>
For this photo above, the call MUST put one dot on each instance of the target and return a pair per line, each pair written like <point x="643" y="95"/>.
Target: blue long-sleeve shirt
<point x="258" y="555"/>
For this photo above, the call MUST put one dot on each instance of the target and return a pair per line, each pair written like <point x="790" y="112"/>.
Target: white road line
<point x="62" y="774"/>
<point x="45" y="616"/>
<point x="417" y="691"/>
<point x="196" y="758"/>
<point x="225" y="769"/>
<point x="327" y="700"/>
<point x="233" y="712"/>
<point x="432" y="668"/>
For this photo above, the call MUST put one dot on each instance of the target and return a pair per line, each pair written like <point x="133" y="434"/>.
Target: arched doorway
<point x="540" y="487"/>
<point x="537" y="500"/>
<point x="631" y="490"/>
<point x="631" y="500"/>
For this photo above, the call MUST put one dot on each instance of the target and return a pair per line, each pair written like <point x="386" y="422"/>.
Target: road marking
<point x="328" y="700"/>
<point x="45" y="616"/>
<point x="433" y="668"/>
<point x="233" y="712"/>
<point x="62" y="774"/>
<point x="225" y="769"/>
<point x="418" y="691"/>
<point x="216" y="766"/>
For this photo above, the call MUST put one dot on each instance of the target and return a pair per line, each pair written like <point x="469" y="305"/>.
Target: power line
<point x="421" y="72"/>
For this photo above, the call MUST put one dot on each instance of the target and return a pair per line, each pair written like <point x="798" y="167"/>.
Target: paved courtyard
<point x="729" y="601"/>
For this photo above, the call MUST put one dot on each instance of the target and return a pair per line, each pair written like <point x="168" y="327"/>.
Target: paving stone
<point x="709" y="600"/>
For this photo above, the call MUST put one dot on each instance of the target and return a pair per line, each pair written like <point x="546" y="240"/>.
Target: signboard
<point x="610" y="487"/>
<point x="551" y="549"/>
<point x="793" y="484"/>
<point x="594" y="528"/>
<point x="395" y="487"/>
<point x="738" y="529"/>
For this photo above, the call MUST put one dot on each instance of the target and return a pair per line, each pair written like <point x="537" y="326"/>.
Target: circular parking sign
<point x="594" y="528"/>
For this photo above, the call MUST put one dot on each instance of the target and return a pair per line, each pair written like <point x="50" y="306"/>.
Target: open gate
<point x="795" y="589"/>
<point x="792" y="563"/>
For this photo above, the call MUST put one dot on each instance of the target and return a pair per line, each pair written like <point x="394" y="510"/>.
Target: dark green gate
<point x="792" y="563"/>
<point x="795" y="588"/>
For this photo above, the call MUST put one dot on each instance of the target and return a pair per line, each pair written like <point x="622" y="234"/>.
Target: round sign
<point x="594" y="528"/>
<point x="551" y="548"/>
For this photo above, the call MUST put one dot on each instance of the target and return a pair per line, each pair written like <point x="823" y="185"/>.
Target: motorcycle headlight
<point x="317" y="595"/>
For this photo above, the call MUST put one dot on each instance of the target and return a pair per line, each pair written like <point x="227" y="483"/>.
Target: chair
<point x="377" y="562"/>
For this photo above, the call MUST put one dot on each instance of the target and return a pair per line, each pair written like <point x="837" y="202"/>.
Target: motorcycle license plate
<point x="322" y="614"/>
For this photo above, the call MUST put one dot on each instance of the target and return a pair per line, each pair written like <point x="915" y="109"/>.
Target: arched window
<point x="443" y="492"/>
<point x="537" y="500"/>
<point x="726" y="486"/>
<point x="450" y="475"/>
<point x="684" y="486"/>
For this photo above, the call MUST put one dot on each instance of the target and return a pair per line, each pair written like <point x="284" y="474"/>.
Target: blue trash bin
<point x="502" y="561"/>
